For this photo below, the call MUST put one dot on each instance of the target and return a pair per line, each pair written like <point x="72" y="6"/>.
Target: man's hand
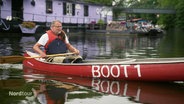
<point x="43" y="55"/>
<point x="76" y="52"/>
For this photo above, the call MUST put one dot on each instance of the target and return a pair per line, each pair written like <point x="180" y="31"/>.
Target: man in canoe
<point x="55" y="41"/>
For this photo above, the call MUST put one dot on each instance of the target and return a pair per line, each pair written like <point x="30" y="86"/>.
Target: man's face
<point x="56" y="28"/>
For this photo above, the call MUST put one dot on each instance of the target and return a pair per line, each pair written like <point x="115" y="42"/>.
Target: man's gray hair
<point x="53" y="22"/>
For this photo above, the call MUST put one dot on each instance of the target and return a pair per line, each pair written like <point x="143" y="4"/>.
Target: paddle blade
<point x="11" y="59"/>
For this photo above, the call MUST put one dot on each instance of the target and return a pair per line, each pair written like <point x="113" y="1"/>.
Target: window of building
<point x="68" y="9"/>
<point x="86" y="13"/>
<point x="49" y="8"/>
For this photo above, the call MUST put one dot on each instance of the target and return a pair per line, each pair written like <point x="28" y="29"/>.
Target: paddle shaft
<point x="53" y="55"/>
<point x="15" y="59"/>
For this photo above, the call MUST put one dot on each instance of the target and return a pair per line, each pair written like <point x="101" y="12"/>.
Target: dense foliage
<point x="103" y="2"/>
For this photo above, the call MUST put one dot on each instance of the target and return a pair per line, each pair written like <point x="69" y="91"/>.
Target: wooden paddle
<point x="15" y="59"/>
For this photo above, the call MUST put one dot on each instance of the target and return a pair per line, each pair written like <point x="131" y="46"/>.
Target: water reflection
<point x="138" y="92"/>
<point x="172" y="44"/>
<point x="134" y="91"/>
<point x="92" y="46"/>
<point x="116" y="46"/>
<point x="27" y="43"/>
<point x="96" y="46"/>
<point x="51" y="93"/>
<point x="15" y="45"/>
<point x="8" y="46"/>
<point x="35" y="87"/>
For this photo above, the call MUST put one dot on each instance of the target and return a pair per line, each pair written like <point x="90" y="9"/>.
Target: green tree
<point x="168" y="20"/>
<point x="180" y="15"/>
<point x="118" y="4"/>
<point x="103" y="2"/>
<point x="144" y="4"/>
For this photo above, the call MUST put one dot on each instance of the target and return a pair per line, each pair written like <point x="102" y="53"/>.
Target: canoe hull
<point x="127" y="71"/>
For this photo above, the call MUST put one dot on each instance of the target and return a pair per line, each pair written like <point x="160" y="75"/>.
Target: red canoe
<point x="151" y="69"/>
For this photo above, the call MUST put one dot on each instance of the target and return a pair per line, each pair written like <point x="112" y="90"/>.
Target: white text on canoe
<point x="116" y="71"/>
